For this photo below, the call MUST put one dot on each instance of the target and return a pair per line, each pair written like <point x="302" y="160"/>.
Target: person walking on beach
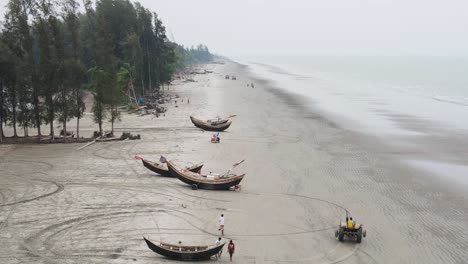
<point x="231" y="248"/>
<point x="218" y="242"/>
<point x="221" y="224"/>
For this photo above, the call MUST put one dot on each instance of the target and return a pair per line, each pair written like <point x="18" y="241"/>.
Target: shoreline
<point x="423" y="143"/>
<point x="303" y="173"/>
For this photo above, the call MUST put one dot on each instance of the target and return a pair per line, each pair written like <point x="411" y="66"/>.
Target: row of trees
<point x="50" y="52"/>
<point x="192" y="55"/>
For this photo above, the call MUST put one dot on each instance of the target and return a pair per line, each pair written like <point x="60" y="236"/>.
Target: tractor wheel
<point x="341" y="234"/>
<point x="336" y="233"/>
<point x="194" y="187"/>
<point x="359" y="235"/>
<point x="364" y="233"/>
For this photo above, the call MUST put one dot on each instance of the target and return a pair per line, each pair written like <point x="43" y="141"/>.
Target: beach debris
<point x="106" y="134"/>
<point x="88" y="144"/>
<point x="69" y="134"/>
<point x="200" y="72"/>
<point x="151" y="104"/>
<point x="109" y="136"/>
<point x="128" y="135"/>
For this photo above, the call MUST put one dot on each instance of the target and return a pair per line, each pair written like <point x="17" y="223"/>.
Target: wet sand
<point x="63" y="205"/>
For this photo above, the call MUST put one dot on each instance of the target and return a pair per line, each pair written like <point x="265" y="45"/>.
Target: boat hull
<point x="210" y="127"/>
<point x="181" y="255"/>
<point x="157" y="168"/>
<point x="201" y="183"/>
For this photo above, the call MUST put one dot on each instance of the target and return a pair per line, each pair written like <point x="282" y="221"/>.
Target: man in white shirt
<point x="221" y="224"/>
<point x="217" y="243"/>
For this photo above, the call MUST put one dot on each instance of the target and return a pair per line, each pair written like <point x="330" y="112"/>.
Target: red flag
<point x="137" y="157"/>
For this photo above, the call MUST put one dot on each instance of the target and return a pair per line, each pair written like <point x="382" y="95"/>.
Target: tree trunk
<point x="100" y="127"/>
<point x="143" y="84"/>
<point x="78" y="128"/>
<point x="26" y="125"/>
<point x="65" y="116"/>
<point x="78" y="105"/>
<point x="65" y="130"/>
<point x="149" y="68"/>
<point x="1" y="128"/>
<point x="37" y="114"/>
<point x="1" y="112"/>
<point x="15" y="135"/>
<point x="51" y="116"/>
<point x="51" y="123"/>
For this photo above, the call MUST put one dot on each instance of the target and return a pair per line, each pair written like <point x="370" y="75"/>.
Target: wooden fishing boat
<point x="162" y="170"/>
<point x="179" y="252"/>
<point x="210" y="182"/>
<point x="211" y="125"/>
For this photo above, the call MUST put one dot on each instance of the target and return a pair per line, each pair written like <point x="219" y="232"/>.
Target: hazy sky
<point x="388" y="27"/>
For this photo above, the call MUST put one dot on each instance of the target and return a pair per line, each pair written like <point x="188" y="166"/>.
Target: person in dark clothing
<point x="231" y="249"/>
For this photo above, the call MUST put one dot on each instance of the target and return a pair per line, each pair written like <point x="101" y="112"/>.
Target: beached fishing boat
<point x="179" y="252"/>
<point x="211" y="182"/>
<point x="211" y="125"/>
<point x="162" y="170"/>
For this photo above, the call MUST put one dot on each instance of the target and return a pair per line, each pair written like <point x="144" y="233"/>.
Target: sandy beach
<point x="59" y="204"/>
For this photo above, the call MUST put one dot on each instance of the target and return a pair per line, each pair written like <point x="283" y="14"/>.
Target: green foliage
<point x="46" y="47"/>
<point x="186" y="57"/>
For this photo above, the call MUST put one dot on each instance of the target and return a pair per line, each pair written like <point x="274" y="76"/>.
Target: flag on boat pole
<point x="162" y="159"/>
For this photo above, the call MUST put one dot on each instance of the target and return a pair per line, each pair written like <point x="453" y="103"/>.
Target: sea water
<point x="393" y="98"/>
<point x="373" y="94"/>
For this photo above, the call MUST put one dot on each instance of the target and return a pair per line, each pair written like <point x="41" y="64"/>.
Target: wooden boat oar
<point x="233" y="166"/>
<point x="90" y="143"/>
<point x="219" y="118"/>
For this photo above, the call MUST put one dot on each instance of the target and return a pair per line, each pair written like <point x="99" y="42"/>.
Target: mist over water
<point x="375" y="94"/>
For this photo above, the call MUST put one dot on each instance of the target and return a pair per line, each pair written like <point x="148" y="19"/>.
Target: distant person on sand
<point x="221" y="224"/>
<point x="231" y="248"/>
<point x="218" y="242"/>
<point x="188" y="101"/>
